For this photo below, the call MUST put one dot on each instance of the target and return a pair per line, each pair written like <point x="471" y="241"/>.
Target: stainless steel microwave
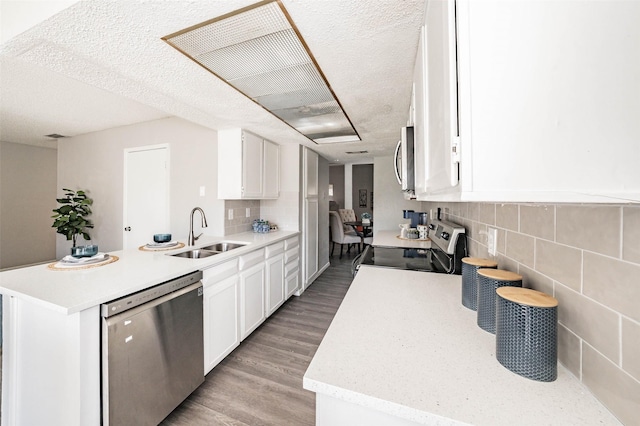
<point x="404" y="161"/>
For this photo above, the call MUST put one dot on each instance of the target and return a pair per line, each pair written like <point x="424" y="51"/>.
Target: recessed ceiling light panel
<point x="259" y="52"/>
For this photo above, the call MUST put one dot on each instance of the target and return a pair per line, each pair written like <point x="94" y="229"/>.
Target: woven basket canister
<point x="470" y="266"/>
<point x="527" y="333"/>
<point x="488" y="281"/>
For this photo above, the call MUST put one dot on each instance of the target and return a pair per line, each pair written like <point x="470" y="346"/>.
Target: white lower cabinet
<point x="274" y="254"/>
<point x="241" y="293"/>
<point x="275" y="283"/>
<point x="221" y="312"/>
<point x="291" y="266"/>
<point x="252" y="299"/>
<point x="291" y="282"/>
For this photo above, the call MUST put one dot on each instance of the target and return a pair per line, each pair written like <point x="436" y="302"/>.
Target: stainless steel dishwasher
<point x="152" y="351"/>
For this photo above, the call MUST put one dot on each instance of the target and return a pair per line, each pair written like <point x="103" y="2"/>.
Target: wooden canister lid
<point x="478" y="261"/>
<point x="527" y="296"/>
<point x="500" y="274"/>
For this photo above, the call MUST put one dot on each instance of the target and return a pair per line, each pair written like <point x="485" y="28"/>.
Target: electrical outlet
<point x="492" y="240"/>
<point x="202" y="191"/>
<point x="230" y="214"/>
<point x="248" y="212"/>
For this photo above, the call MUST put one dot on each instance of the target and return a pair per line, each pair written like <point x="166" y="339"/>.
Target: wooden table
<point x="367" y="229"/>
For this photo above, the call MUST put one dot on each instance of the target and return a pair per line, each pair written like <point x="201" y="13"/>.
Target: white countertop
<point x="402" y="343"/>
<point x="71" y="291"/>
<point x="392" y="239"/>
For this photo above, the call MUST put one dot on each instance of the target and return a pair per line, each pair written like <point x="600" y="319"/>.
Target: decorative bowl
<point x="162" y="238"/>
<point x="84" y="251"/>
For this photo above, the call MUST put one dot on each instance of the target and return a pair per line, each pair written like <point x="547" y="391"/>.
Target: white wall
<point x="27" y="198"/>
<point x="389" y="199"/>
<point x="285" y="211"/>
<point x="94" y="162"/>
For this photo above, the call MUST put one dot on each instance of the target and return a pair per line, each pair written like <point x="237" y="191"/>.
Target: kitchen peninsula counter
<point x="51" y="363"/>
<point x="71" y="291"/>
<point x="402" y="350"/>
<point x="392" y="239"/>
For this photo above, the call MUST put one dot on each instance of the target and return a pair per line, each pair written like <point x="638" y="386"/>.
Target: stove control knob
<point x="444" y="235"/>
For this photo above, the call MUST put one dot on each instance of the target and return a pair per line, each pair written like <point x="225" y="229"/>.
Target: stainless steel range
<point x="448" y="247"/>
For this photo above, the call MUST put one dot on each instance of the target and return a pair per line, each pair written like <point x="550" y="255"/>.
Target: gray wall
<point x="27" y="198"/>
<point x="389" y="200"/>
<point x="95" y="162"/>
<point x="362" y="178"/>
<point x="336" y="178"/>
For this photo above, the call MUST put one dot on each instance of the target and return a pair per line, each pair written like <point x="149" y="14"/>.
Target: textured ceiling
<point x="101" y="64"/>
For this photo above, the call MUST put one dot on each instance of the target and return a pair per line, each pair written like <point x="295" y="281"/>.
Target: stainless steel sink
<point x="196" y="254"/>
<point x="223" y="246"/>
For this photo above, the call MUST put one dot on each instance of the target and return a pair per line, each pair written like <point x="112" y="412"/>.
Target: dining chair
<point x="339" y="236"/>
<point x="347" y="215"/>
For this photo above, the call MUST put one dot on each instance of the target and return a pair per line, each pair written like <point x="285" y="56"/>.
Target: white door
<point x="146" y="194"/>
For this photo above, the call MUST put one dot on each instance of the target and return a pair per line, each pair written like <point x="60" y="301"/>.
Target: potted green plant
<point x="70" y="218"/>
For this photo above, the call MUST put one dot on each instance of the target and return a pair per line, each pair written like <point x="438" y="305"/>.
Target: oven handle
<point x="355" y="264"/>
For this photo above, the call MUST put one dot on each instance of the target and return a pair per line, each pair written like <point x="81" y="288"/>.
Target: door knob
<point x="128" y="228"/>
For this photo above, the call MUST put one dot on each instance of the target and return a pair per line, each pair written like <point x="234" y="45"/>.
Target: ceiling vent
<point x="356" y="152"/>
<point x="259" y="51"/>
<point x="55" y="136"/>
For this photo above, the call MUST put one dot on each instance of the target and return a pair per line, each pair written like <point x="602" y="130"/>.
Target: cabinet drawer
<point x="291" y="255"/>
<point x="220" y="272"/>
<point x="290" y="269"/>
<point x="274" y="249"/>
<point x="291" y="242"/>
<point x="250" y="259"/>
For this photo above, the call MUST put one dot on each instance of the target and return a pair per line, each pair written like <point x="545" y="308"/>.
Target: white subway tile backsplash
<point x="520" y="248"/>
<point x="582" y="227"/>
<point x="559" y="262"/>
<point x="591" y="321"/>
<point x="614" y="283"/>
<point x="631" y="347"/>
<point x="538" y="221"/>
<point x="631" y="234"/>
<point x="507" y="216"/>
<point x="618" y="391"/>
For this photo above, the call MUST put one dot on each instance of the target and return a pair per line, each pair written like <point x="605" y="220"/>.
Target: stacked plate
<point x="70" y="261"/>
<point x="164" y="245"/>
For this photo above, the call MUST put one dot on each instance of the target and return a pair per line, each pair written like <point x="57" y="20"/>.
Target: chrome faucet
<point x="192" y="238"/>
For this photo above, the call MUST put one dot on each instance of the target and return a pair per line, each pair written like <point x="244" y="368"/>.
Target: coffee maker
<point x="417" y="218"/>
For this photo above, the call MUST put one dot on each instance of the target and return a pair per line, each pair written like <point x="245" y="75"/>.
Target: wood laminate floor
<point x="260" y="382"/>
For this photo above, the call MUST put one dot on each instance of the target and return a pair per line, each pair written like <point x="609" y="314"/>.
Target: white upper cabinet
<point x="548" y="102"/>
<point x="271" y="183"/>
<point x="248" y="166"/>
<point x="435" y="102"/>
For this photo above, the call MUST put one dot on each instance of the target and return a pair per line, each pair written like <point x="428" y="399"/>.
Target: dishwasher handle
<point x="131" y="301"/>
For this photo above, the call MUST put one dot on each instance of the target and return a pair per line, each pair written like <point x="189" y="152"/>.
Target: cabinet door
<point x="271" y="184"/>
<point x="310" y="168"/>
<point x="311" y="239"/>
<point x="291" y="281"/>
<point x="275" y="283"/>
<point x="221" y="321"/>
<point x="252" y="161"/>
<point x="251" y="299"/>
